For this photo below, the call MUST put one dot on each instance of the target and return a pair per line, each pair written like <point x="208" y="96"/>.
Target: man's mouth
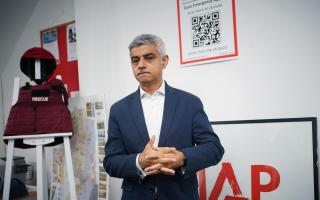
<point x="141" y="73"/>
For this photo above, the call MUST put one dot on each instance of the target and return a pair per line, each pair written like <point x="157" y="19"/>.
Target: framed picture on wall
<point x="207" y="31"/>
<point x="264" y="159"/>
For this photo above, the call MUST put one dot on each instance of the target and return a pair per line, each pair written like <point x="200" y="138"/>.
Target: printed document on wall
<point x="207" y="31"/>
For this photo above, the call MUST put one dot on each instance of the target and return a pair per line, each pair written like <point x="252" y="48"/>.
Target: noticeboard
<point x="61" y="41"/>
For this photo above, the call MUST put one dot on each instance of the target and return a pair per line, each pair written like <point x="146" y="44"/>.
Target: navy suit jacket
<point x="185" y="126"/>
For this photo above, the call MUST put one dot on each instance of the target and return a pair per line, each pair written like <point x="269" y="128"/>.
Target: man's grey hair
<point x="149" y="39"/>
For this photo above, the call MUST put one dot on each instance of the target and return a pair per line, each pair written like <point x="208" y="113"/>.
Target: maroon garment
<point x="37" y="52"/>
<point x="40" y="110"/>
<point x="47" y="64"/>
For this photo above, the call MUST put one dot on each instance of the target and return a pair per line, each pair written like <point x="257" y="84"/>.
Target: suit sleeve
<point x="208" y="150"/>
<point x="117" y="161"/>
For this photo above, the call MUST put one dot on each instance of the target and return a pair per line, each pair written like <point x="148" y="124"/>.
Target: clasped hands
<point x="155" y="160"/>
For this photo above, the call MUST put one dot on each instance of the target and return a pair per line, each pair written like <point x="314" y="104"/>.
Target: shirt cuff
<point x="140" y="171"/>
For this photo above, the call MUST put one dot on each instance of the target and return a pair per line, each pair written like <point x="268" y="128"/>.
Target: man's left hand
<point x="170" y="158"/>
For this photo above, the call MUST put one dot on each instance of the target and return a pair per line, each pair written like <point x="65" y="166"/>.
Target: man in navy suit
<point x="158" y="136"/>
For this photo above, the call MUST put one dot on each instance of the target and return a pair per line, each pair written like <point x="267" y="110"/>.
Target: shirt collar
<point x="160" y="91"/>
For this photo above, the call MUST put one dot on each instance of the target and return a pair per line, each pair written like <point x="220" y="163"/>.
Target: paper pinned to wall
<point x="207" y="31"/>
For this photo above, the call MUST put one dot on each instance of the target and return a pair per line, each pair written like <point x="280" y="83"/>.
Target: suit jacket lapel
<point x="137" y="115"/>
<point x="168" y="113"/>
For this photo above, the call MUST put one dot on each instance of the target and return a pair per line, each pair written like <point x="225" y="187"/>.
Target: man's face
<point x="147" y="64"/>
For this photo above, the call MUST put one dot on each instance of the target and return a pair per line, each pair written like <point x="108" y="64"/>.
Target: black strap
<point x="27" y="86"/>
<point x="60" y="87"/>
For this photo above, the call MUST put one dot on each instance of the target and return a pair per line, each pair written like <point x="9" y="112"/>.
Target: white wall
<point x="276" y="75"/>
<point x="2" y="151"/>
<point x="13" y="19"/>
<point x="30" y="18"/>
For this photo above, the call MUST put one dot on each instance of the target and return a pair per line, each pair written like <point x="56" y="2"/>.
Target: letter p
<point x="256" y="187"/>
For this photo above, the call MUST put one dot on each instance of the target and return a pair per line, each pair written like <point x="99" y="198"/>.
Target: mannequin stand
<point x="39" y="141"/>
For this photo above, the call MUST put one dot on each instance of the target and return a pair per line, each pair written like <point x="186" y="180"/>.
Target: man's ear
<point x="165" y="60"/>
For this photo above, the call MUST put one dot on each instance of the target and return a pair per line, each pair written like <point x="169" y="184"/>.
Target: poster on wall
<point x="207" y="31"/>
<point x="50" y="42"/>
<point x="264" y="159"/>
<point x="61" y="41"/>
<point x="71" y="42"/>
<point x="87" y="147"/>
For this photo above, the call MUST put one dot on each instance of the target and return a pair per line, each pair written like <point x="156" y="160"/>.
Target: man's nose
<point x="141" y="64"/>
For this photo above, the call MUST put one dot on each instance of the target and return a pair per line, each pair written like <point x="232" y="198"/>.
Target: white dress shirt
<point x="152" y="105"/>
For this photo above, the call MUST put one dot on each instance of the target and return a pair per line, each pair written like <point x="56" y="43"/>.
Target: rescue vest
<point x="40" y="110"/>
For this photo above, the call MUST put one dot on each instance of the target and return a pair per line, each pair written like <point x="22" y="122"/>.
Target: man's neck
<point x="151" y="88"/>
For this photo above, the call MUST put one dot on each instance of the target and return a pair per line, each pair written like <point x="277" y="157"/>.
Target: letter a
<point x="226" y="173"/>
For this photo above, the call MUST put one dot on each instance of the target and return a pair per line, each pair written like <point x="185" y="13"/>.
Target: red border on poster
<point x="235" y="54"/>
<point x="67" y="70"/>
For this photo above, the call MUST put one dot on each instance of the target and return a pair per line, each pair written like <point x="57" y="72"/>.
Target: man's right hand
<point x="150" y="158"/>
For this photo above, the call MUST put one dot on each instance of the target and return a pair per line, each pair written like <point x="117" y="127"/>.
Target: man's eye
<point x="149" y="57"/>
<point x="135" y="61"/>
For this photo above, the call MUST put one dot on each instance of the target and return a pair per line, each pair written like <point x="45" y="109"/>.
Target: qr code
<point x="206" y="29"/>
